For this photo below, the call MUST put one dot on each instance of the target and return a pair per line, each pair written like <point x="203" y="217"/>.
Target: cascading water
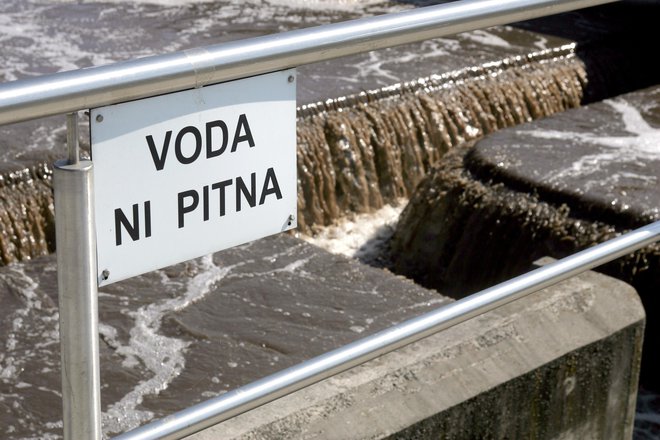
<point x="357" y="153"/>
<point x="27" y="217"/>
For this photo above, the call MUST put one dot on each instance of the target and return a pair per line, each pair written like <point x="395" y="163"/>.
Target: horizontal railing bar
<point x="110" y="84"/>
<point x="306" y="373"/>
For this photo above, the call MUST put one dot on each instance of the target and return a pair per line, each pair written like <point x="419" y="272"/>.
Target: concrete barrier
<point x="559" y="364"/>
<point x="550" y="187"/>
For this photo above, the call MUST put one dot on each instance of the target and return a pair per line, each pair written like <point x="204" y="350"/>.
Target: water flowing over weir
<point x="27" y="220"/>
<point x="359" y="152"/>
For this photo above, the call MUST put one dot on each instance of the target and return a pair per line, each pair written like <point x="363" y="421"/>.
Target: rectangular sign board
<point x="185" y="174"/>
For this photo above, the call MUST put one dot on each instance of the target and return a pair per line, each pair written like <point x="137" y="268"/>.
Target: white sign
<point x="182" y="175"/>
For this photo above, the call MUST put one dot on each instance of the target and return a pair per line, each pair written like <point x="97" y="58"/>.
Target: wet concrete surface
<point x="193" y="331"/>
<point x="553" y="186"/>
<point x="603" y="160"/>
<point x="560" y="363"/>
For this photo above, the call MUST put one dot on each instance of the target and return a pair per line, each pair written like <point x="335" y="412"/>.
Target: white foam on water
<point x="374" y="64"/>
<point x="641" y="146"/>
<point x="333" y="5"/>
<point x="363" y="236"/>
<point x="162" y="356"/>
<point x="153" y="2"/>
<point x="318" y="5"/>
<point x="486" y="38"/>
<point x="36" y="319"/>
<point x="294" y="267"/>
<point x="109" y="335"/>
<point x="234" y="12"/>
<point x="541" y="42"/>
<point x="357" y="329"/>
<point x="32" y="45"/>
<point x="22" y="323"/>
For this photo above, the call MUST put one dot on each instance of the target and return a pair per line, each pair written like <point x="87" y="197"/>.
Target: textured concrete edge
<point x="405" y="388"/>
<point x="635" y="350"/>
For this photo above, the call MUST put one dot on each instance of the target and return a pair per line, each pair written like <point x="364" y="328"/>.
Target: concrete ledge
<point x="560" y="364"/>
<point x="551" y="187"/>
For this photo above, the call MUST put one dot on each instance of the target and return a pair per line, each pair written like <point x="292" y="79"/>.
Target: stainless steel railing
<point x="98" y="86"/>
<point x="306" y="373"/>
<point x="86" y="88"/>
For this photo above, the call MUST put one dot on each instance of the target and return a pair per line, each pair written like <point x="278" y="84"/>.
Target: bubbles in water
<point x="642" y="145"/>
<point x="163" y="356"/>
<point x="32" y="346"/>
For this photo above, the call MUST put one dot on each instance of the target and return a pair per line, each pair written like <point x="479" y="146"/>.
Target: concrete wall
<point x="559" y="364"/>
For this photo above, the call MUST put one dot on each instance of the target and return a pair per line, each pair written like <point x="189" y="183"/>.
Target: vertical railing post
<point x="77" y="285"/>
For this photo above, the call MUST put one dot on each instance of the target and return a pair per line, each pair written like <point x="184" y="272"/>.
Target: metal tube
<point x="270" y="388"/>
<point x="72" y="138"/>
<point x="140" y="78"/>
<point x="76" y="282"/>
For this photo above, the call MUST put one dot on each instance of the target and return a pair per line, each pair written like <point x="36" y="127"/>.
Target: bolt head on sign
<point x="181" y="175"/>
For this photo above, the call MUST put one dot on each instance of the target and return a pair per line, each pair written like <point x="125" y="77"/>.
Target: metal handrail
<point x="110" y="84"/>
<point x="257" y="393"/>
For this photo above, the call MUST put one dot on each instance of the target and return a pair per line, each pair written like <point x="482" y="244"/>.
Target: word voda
<point x="242" y="133"/>
<point x="209" y="201"/>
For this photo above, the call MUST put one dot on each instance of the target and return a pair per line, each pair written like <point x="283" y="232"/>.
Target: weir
<point x="359" y="152"/>
<point x="550" y="187"/>
<point x="27" y="219"/>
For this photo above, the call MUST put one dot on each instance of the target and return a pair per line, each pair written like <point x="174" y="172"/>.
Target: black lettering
<point x="147" y="218"/>
<point x="238" y="137"/>
<point x="185" y="209"/>
<point x="133" y="229"/>
<point x="250" y="196"/>
<point x="159" y="162"/>
<point x="221" y="186"/>
<point x="210" y="152"/>
<point x="275" y="189"/>
<point x="205" y="202"/>
<point x="198" y="145"/>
